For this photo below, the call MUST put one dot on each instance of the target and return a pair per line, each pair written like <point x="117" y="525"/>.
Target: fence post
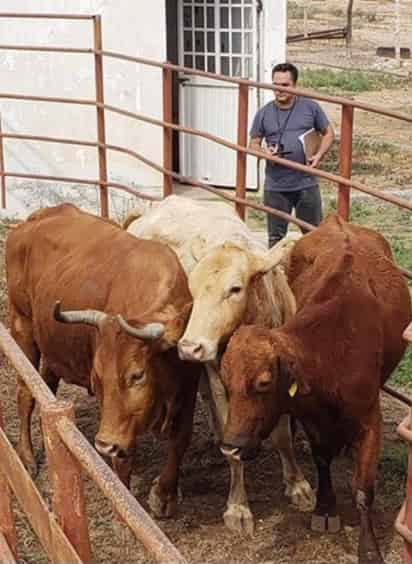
<point x="65" y="477"/>
<point x="408" y="502"/>
<point x="7" y="523"/>
<point x="346" y="137"/>
<point x="243" y="98"/>
<point x="101" y="129"/>
<point x="167" y="132"/>
<point x="3" y="178"/>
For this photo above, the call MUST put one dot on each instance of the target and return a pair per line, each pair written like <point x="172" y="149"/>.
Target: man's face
<point x="283" y="79"/>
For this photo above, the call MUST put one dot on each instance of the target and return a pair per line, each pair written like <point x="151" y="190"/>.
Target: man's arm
<point x="255" y="143"/>
<point x="328" y="137"/>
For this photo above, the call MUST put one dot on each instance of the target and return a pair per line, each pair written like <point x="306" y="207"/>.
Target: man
<point x="280" y="123"/>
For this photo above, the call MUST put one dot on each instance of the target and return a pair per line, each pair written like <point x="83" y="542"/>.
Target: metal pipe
<point x="145" y="529"/>
<point x="46" y="16"/>
<point x="101" y="128"/>
<point x="167" y="76"/>
<point x="242" y="114"/>
<point x="346" y="138"/>
<point x="2" y="169"/>
<point x="46" y="49"/>
<point x="38" y="388"/>
<point x="65" y="477"/>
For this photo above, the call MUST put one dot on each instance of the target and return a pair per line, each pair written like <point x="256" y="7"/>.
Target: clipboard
<point x="311" y="142"/>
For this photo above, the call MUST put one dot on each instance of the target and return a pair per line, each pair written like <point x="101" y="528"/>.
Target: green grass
<point x="345" y="81"/>
<point x="393" y="468"/>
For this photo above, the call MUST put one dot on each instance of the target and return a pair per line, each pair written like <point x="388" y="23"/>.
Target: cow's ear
<point x="293" y="383"/>
<point x="278" y="255"/>
<point x="175" y="322"/>
<point x="198" y="248"/>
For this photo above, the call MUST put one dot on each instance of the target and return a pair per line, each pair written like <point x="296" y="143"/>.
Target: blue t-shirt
<point x="270" y="121"/>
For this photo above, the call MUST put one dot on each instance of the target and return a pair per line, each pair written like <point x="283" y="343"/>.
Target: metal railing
<point x="68" y="452"/>
<point x="403" y="523"/>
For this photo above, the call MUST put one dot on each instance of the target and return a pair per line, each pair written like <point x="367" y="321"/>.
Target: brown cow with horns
<point x="326" y="365"/>
<point x="129" y="303"/>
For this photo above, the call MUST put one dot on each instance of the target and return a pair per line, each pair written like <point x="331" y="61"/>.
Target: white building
<point x="235" y="37"/>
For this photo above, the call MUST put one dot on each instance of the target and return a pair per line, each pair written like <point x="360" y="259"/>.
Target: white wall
<point x="274" y="37"/>
<point x="128" y="27"/>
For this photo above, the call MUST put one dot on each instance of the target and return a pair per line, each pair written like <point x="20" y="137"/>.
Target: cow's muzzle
<point x="110" y="449"/>
<point x="189" y="350"/>
<point x="240" y="453"/>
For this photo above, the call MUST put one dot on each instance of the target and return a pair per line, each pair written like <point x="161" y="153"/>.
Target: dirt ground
<point x="282" y="534"/>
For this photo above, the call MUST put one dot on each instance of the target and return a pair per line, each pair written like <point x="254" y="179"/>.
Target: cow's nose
<point x="109" y="449"/>
<point x="190" y="351"/>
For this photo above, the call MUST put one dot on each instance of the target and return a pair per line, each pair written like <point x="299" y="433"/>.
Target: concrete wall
<point x="128" y="27"/>
<point x="274" y="38"/>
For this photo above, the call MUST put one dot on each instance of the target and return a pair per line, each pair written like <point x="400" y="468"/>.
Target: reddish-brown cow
<point x="129" y="303"/>
<point x="326" y="365"/>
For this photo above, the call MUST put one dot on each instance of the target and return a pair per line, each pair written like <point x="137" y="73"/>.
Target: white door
<point x="218" y="36"/>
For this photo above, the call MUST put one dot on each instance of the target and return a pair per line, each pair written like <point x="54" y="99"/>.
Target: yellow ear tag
<point x="293" y="389"/>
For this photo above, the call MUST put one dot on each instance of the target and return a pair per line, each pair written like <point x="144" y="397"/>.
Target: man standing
<point x="280" y="123"/>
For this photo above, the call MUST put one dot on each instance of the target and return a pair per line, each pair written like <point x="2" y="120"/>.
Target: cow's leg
<point x="365" y="468"/>
<point x="22" y="332"/>
<point x="122" y="467"/>
<point x="325" y="517"/>
<point x="237" y="516"/>
<point x="297" y="487"/>
<point x="164" y="492"/>
<point x="50" y="378"/>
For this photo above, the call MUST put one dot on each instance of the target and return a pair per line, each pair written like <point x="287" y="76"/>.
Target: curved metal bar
<point x="88" y="181"/>
<point x="46" y="49"/>
<point x="46" y="16"/>
<point x="262" y="85"/>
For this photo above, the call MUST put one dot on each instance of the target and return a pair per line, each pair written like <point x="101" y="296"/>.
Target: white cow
<point x="234" y="280"/>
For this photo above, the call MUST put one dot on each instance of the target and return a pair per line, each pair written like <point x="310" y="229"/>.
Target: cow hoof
<point x="301" y="495"/>
<point x="371" y="557"/>
<point x="325" y="523"/>
<point x="161" y="505"/>
<point x="239" y="519"/>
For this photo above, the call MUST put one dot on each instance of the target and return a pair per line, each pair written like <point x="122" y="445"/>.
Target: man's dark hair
<point x="286" y="67"/>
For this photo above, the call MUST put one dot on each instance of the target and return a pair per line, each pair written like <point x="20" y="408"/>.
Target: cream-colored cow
<point x="234" y="280"/>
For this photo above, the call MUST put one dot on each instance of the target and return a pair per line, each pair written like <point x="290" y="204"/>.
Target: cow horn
<point x="89" y="316"/>
<point x="147" y="332"/>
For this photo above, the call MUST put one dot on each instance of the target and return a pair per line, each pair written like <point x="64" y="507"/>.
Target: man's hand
<point x="314" y="161"/>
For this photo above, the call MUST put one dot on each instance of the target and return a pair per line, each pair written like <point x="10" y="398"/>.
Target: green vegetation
<point x="393" y="467"/>
<point x="338" y="82"/>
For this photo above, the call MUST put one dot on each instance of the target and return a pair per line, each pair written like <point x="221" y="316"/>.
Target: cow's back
<point x="353" y="266"/>
<point x="186" y="224"/>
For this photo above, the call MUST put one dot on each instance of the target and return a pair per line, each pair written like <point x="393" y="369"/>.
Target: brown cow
<point x="129" y="303"/>
<point x="326" y="365"/>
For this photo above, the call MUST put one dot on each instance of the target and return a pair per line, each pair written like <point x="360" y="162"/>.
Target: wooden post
<point x="101" y="129"/>
<point x="349" y="13"/>
<point x="346" y="135"/>
<point x="167" y="132"/>
<point x="242" y="115"/>
<point x="408" y="508"/>
<point x="7" y="524"/>
<point x="398" y="32"/>
<point x="65" y="477"/>
<point x="2" y="169"/>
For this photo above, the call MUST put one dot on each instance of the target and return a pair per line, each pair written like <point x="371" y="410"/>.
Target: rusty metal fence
<point x="68" y="452"/>
<point x="63" y="532"/>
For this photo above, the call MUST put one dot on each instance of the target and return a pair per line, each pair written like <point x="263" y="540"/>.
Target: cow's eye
<point x="137" y="378"/>
<point x="236" y="289"/>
